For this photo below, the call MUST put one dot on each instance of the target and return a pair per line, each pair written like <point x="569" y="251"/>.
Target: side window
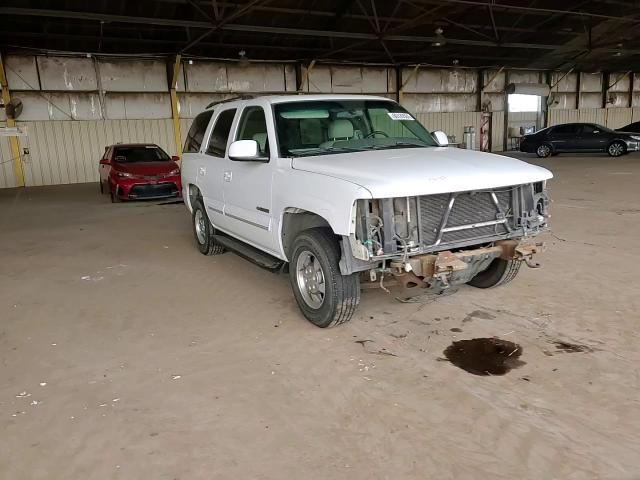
<point x="220" y="134"/>
<point x="253" y="126"/>
<point x="587" y="129"/>
<point x="570" y="129"/>
<point x="196" y="132"/>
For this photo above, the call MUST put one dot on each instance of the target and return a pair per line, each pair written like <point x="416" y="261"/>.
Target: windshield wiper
<point x="331" y="149"/>
<point x="395" y="145"/>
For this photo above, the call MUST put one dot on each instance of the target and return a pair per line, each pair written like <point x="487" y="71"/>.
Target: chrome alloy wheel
<point x="616" y="149"/>
<point x="201" y="226"/>
<point x="310" y="279"/>
<point x="543" y="151"/>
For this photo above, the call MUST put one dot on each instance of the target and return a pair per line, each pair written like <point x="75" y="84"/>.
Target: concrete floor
<point x="127" y="354"/>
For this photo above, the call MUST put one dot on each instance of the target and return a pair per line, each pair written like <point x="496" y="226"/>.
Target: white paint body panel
<point x="423" y="171"/>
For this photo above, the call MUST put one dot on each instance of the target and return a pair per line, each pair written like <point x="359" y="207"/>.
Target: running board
<point x="248" y="252"/>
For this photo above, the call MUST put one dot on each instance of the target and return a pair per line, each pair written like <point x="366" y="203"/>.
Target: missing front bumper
<point x="443" y="269"/>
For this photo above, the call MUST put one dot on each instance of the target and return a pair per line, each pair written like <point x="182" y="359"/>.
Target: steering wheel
<point x="378" y="132"/>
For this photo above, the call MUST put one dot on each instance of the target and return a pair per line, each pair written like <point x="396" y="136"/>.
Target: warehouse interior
<point x="127" y="354"/>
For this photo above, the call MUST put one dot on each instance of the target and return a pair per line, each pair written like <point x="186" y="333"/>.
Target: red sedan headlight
<point x="124" y="175"/>
<point x="172" y="173"/>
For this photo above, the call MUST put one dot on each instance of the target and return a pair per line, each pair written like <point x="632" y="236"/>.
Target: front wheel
<point x="498" y="273"/>
<point x="617" y="148"/>
<point x="543" y="151"/>
<point x="325" y="296"/>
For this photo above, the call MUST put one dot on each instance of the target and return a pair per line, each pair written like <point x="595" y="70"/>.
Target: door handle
<point x="202" y="171"/>
<point x="227" y="176"/>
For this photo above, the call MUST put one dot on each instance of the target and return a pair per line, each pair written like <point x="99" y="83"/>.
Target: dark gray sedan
<point x="579" y="138"/>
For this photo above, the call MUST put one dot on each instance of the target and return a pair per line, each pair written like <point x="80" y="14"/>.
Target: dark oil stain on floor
<point x="485" y="356"/>
<point x="456" y="329"/>
<point x="567" y="347"/>
<point x="481" y="314"/>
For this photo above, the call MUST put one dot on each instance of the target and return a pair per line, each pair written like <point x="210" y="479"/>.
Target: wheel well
<point x="295" y="221"/>
<point x="194" y="193"/>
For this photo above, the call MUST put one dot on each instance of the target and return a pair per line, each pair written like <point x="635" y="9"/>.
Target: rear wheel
<point x="544" y="150"/>
<point x="203" y="231"/>
<point x="498" y="273"/>
<point x="325" y="296"/>
<point x="617" y="148"/>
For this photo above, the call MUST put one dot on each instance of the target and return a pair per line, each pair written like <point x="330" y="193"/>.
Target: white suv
<point x="333" y="186"/>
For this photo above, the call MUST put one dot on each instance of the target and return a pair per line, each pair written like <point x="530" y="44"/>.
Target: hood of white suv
<point x="423" y="171"/>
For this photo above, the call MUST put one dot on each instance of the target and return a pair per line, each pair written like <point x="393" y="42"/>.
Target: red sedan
<point x="139" y="170"/>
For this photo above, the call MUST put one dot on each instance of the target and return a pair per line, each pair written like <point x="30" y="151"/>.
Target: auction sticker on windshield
<point x="400" y="116"/>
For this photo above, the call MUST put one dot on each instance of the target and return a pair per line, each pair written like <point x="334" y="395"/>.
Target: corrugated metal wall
<point x="68" y="151"/>
<point x="452" y="123"/>
<point x="74" y="106"/>
<point x="609" y="117"/>
<point x="7" y="178"/>
<point x="497" y="131"/>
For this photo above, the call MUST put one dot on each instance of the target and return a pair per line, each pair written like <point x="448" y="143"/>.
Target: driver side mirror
<point x="246" y="151"/>
<point x="175" y="158"/>
<point x="441" y="138"/>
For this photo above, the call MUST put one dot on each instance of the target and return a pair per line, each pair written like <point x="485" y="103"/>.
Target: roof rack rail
<point x="232" y="99"/>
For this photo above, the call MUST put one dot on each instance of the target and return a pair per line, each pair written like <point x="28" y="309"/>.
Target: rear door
<point x="212" y="167"/>
<point x="593" y="138"/>
<point x="247" y="186"/>
<point x="565" y="138"/>
<point x="192" y="156"/>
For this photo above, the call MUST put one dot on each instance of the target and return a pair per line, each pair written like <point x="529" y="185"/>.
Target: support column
<point x="11" y="123"/>
<point x="175" y="114"/>
<point x="412" y="74"/>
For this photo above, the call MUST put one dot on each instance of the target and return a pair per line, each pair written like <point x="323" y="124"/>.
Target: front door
<point x="247" y="184"/>
<point x="592" y="138"/>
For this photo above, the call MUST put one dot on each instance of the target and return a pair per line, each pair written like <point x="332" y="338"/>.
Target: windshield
<point x="336" y="126"/>
<point x="140" y="153"/>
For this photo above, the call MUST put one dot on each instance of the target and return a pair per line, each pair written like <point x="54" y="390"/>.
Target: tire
<point x="544" y="150"/>
<point x="616" y="148"/>
<point x="336" y="296"/>
<point x="498" y="273"/>
<point x="203" y="231"/>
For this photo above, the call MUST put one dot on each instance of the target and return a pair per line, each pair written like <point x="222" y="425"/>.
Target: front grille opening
<point x="468" y="208"/>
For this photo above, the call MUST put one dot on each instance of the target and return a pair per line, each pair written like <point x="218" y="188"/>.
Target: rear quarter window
<point x="196" y="133"/>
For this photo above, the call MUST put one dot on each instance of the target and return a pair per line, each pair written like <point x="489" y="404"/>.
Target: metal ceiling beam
<point x="533" y="10"/>
<point x="238" y="13"/>
<point x="206" y="15"/>
<point x="493" y="24"/>
<point x="280" y="30"/>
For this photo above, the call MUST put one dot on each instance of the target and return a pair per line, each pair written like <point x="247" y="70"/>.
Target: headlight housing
<point x="636" y="137"/>
<point x="124" y="175"/>
<point x="175" y="171"/>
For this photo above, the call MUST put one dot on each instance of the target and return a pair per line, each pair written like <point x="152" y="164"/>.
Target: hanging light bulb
<point x="440" y="40"/>
<point x="244" y="61"/>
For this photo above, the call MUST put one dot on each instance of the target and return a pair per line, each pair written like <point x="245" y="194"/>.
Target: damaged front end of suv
<point x="432" y="242"/>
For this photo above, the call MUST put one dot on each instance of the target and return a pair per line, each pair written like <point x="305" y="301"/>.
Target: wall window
<point x="524" y="103"/>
